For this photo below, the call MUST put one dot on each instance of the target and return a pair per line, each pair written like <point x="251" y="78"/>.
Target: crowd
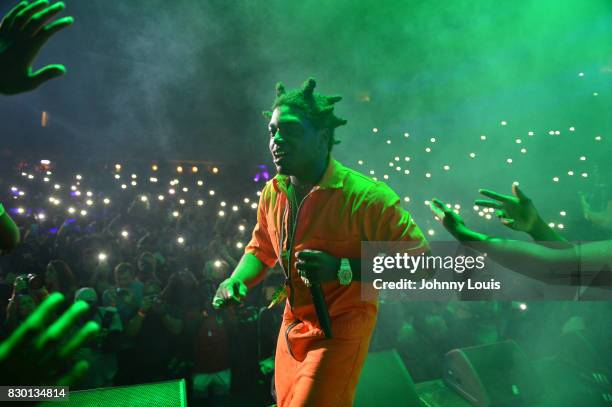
<point x="147" y="259"/>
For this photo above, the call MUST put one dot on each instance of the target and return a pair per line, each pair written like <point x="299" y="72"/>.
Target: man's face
<point x="296" y="146"/>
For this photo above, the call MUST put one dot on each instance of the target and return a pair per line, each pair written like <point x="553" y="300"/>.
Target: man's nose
<point x="278" y="138"/>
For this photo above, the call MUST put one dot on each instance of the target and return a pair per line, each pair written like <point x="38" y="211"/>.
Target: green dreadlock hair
<point x="317" y="108"/>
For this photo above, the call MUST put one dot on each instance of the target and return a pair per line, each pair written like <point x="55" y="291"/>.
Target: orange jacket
<point x="343" y="209"/>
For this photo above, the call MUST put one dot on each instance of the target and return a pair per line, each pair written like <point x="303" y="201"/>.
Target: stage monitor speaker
<point x="385" y="381"/>
<point x="493" y="375"/>
<point x="166" y="394"/>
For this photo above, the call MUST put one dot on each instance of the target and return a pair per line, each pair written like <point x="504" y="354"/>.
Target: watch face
<point x="345" y="276"/>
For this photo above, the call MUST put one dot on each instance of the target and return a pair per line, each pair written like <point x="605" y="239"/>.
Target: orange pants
<point x="311" y="370"/>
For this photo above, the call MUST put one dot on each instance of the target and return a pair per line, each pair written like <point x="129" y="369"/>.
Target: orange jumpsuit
<point x="342" y="210"/>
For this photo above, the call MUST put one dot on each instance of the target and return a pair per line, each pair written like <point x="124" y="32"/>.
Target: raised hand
<point x="230" y="291"/>
<point x="517" y="212"/>
<point x="23" y="32"/>
<point x="39" y="351"/>
<point x="449" y="219"/>
<point x="315" y="266"/>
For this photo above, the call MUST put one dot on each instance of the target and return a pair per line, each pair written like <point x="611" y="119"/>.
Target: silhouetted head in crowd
<point x="146" y="266"/>
<point x="26" y="305"/>
<point x="124" y="275"/>
<point x="90" y="296"/>
<point x="182" y="289"/>
<point x="59" y="277"/>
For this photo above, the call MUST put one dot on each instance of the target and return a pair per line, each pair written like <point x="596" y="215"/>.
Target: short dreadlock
<point x="317" y="108"/>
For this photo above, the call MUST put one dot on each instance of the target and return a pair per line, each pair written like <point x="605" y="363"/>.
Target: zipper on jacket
<point x="291" y="239"/>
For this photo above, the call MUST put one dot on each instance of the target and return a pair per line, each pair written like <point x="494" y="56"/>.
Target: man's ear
<point x="325" y="135"/>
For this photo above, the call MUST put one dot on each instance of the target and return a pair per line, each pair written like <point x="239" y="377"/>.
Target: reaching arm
<point x="560" y="266"/>
<point x="9" y="232"/>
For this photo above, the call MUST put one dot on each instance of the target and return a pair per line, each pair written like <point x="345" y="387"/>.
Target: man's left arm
<point x="386" y="221"/>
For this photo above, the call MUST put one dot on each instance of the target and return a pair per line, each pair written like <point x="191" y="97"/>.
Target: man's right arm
<point x="249" y="272"/>
<point x="258" y="257"/>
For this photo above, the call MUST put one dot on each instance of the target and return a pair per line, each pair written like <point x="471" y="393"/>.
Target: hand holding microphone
<point x="314" y="267"/>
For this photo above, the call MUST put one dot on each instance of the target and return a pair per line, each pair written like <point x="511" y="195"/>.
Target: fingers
<point x="45" y="74"/>
<point x="229" y="290"/>
<point x="85" y="334"/>
<point x="75" y="374"/>
<point x="24" y="16"/>
<point x="436" y="209"/>
<point x="34" y="45"/>
<point x="495" y="195"/>
<point x="306" y="278"/>
<point x="49" y="30"/>
<point x="439" y="205"/>
<point x="307" y="264"/>
<point x="56" y="332"/>
<point x="33" y="325"/>
<point x="39" y="19"/>
<point x="488" y="204"/>
<point x="217" y="302"/>
<point x="519" y="193"/>
<point x="7" y="21"/>
<point x="307" y="254"/>
<point x="242" y="290"/>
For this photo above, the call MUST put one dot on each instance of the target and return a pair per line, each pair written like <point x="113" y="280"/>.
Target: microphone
<point x="321" y="308"/>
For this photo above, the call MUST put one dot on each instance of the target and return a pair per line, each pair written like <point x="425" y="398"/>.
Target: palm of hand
<point x="451" y="220"/>
<point x="22" y="34"/>
<point x="519" y="215"/>
<point x="517" y="212"/>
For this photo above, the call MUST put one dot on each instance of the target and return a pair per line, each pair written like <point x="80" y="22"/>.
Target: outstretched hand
<point x="230" y="291"/>
<point x="23" y="32"/>
<point x="517" y="212"/>
<point x="39" y="351"/>
<point x="451" y="221"/>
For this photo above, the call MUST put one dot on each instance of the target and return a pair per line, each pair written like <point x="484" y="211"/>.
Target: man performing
<point x="312" y="217"/>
